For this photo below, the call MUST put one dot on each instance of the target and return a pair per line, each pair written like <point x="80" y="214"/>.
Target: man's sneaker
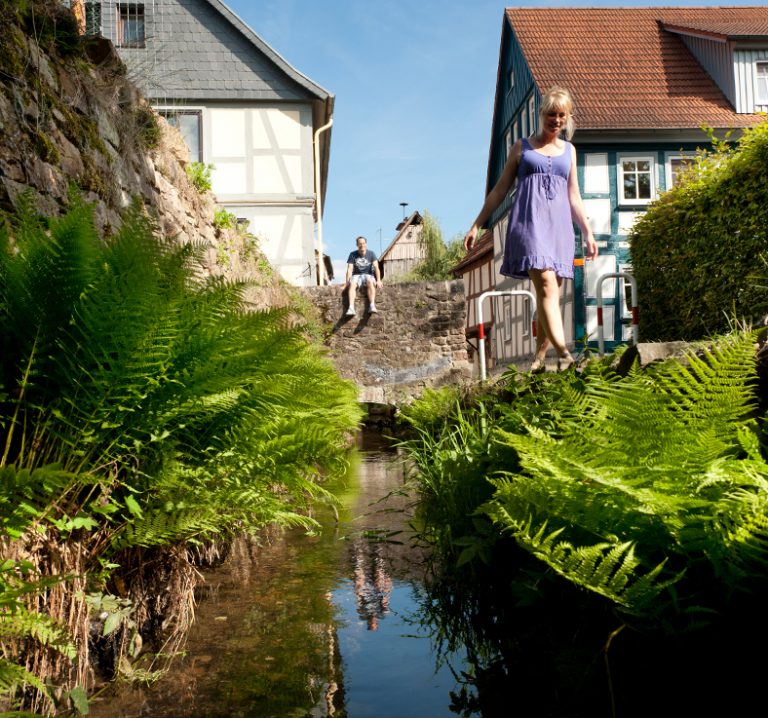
<point x="351" y="312"/>
<point x="372" y="309"/>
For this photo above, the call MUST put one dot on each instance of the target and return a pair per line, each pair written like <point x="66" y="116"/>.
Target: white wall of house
<point x="263" y="172"/>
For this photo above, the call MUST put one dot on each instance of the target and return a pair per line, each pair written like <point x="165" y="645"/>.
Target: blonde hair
<point x="558" y="98"/>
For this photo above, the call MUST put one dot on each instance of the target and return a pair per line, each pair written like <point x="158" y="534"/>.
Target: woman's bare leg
<point x="547" y="286"/>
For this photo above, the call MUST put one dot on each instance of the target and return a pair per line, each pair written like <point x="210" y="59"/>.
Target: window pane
<point x="92" y="18"/>
<point x="131" y="26"/>
<point x="762" y="83"/>
<point x="644" y="191"/>
<point x="188" y="124"/>
<point x="630" y="186"/>
<point x="644" y="166"/>
<point x="628" y="166"/>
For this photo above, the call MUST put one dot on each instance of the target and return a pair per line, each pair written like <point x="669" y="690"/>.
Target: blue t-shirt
<point x="364" y="264"/>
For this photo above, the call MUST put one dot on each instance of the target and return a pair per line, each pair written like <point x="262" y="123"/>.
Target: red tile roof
<point x="730" y="27"/>
<point x="625" y="71"/>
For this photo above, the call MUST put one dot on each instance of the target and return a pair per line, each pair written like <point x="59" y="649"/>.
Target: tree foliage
<point x="438" y="257"/>
<point x="700" y="252"/>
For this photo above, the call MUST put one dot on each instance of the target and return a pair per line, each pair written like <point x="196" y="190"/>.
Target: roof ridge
<point x="263" y="46"/>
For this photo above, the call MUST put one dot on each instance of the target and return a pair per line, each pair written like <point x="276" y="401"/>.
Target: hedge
<point x="700" y="253"/>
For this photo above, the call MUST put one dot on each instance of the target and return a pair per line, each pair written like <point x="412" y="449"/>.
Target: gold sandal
<point x="565" y="362"/>
<point x="538" y="365"/>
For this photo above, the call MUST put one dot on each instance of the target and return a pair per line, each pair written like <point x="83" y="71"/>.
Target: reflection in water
<point x="372" y="582"/>
<point x="309" y="626"/>
<point x="532" y="644"/>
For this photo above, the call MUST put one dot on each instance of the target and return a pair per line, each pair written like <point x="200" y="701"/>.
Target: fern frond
<point x="610" y="569"/>
<point x="13" y="676"/>
<point x="21" y="623"/>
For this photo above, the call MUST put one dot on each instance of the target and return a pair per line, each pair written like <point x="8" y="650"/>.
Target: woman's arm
<point x="577" y="208"/>
<point x="497" y="194"/>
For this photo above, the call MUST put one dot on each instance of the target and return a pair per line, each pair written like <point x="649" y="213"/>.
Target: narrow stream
<point x="311" y="626"/>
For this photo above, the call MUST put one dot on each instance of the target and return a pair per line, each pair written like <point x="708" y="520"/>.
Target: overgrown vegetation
<point x="147" y="127"/>
<point x="699" y="252"/>
<point x="224" y="219"/>
<point x="199" y="174"/>
<point x="650" y="490"/>
<point x="438" y="257"/>
<point x="144" y="413"/>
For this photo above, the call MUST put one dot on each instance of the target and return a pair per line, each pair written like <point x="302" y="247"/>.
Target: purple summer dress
<point x="540" y="233"/>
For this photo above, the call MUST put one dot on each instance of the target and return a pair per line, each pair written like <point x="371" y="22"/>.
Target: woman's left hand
<point x="591" y="248"/>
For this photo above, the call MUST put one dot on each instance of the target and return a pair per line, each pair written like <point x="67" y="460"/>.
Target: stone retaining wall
<point x="415" y="341"/>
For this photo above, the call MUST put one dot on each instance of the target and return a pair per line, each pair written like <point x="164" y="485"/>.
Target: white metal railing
<point x="633" y="308"/>
<point x="481" y="327"/>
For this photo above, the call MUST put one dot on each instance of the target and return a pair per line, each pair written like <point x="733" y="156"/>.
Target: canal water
<point x="323" y="625"/>
<point x="347" y="623"/>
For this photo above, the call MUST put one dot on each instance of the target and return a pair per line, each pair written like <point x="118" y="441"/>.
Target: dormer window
<point x="761" y="91"/>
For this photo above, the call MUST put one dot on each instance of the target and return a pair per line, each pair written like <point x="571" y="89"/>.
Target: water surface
<point x="311" y="625"/>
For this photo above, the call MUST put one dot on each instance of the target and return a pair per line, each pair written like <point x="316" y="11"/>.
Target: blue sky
<point x="414" y="86"/>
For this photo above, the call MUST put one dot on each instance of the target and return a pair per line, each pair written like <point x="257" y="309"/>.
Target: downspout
<point x="319" y="205"/>
<point x="78" y="10"/>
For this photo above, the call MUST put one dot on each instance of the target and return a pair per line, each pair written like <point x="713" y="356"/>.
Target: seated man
<point x="362" y="271"/>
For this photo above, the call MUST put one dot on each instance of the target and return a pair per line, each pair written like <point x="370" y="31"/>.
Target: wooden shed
<point x="404" y="251"/>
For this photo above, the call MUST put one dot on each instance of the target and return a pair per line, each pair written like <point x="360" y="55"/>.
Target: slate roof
<point x="625" y="70"/>
<point x="298" y="77"/>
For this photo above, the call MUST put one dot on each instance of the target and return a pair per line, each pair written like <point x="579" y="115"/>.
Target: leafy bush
<point x="223" y="219"/>
<point x="698" y="253"/>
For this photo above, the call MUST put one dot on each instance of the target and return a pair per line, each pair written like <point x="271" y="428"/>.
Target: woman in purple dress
<point x="540" y="238"/>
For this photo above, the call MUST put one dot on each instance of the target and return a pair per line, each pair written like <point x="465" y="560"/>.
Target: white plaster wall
<point x="627" y="221"/>
<point x="596" y="172"/>
<point x="286" y="237"/>
<point x="264" y="172"/>
<point x="599" y="215"/>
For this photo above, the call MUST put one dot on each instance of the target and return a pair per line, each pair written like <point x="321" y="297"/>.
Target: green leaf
<point x="133" y="506"/>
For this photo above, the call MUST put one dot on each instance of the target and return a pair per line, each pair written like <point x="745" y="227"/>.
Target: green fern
<point x="664" y="464"/>
<point x="141" y="404"/>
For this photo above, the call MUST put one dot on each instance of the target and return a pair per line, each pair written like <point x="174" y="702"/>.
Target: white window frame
<point x="515" y="131"/>
<point x="761" y="82"/>
<point x="638" y="157"/>
<point x="166" y="110"/>
<point x="508" y="141"/>
<point x="532" y="114"/>
<point x="511" y="77"/>
<point x="523" y="124"/>
<point x="668" y="159"/>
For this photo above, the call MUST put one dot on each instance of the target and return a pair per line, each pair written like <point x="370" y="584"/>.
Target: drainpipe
<point x="78" y="10"/>
<point x="319" y="205"/>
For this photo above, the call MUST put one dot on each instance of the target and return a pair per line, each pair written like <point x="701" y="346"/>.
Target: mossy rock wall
<point x="70" y="117"/>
